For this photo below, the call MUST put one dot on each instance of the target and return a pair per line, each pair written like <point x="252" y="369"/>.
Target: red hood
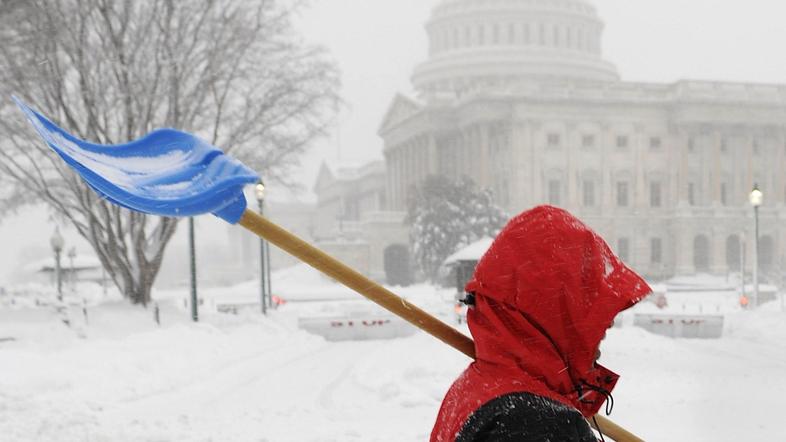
<point x="546" y="291"/>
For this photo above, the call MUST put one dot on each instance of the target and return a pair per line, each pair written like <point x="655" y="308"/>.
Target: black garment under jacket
<point x="525" y="417"/>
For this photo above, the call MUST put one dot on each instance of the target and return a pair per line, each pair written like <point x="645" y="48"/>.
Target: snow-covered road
<point x="234" y="379"/>
<point x="245" y="378"/>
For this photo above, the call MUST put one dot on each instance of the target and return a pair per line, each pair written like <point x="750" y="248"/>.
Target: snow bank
<point x="248" y="378"/>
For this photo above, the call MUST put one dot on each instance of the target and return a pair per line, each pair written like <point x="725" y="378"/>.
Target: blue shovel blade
<point x="167" y="172"/>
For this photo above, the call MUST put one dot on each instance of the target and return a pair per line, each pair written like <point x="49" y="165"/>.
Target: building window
<point x="588" y="141"/>
<point x="622" y="141"/>
<point x="692" y="194"/>
<point x="554" y="192"/>
<point x="756" y="147"/>
<point x="701" y="253"/>
<point x="553" y="140"/>
<point x="525" y="33"/>
<point x="655" y="143"/>
<point x="588" y="193"/>
<point x="623" y="249"/>
<point x="724" y="194"/>
<point x="691" y="145"/>
<point x="655" y="194"/>
<point x="495" y="34"/>
<point x="656" y="250"/>
<point x="481" y="35"/>
<point x="511" y="34"/>
<point x="724" y="145"/>
<point x="467" y="36"/>
<point x="622" y="194"/>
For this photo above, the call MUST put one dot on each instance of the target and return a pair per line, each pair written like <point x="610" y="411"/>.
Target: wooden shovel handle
<point x="382" y="296"/>
<point x="613" y="430"/>
<point x="357" y="282"/>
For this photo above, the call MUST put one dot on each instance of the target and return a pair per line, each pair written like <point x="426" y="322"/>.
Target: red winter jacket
<point x="545" y="293"/>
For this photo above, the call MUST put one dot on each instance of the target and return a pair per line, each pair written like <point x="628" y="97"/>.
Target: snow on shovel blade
<point x="167" y="172"/>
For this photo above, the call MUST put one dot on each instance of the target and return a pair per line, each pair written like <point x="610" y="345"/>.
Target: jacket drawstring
<point x="606" y="394"/>
<point x="597" y="427"/>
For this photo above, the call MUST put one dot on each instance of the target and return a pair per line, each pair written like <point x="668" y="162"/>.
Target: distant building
<point x="296" y="217"/>
<point x="516" y="95"/>
<point x="354" y="226"/>
<point x="228" y="255"/>
<point x="79" y="268"/>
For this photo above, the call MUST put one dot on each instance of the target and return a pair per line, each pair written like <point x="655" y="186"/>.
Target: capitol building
<point x="517" y="95"/>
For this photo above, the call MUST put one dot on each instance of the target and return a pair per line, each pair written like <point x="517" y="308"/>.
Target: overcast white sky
<point x="377" y="43"/>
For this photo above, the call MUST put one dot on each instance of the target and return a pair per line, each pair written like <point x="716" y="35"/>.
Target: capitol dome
<point x="475" y="42"/>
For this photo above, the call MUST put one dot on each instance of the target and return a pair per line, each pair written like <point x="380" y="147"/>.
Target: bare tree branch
<point x="111" y="71"/>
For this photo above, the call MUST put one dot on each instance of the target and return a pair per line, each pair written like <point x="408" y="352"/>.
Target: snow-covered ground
<point x="248" y="378"/>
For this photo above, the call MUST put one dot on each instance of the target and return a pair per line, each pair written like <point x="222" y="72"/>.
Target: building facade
<point x="354" y="225"/>
<point x="516" y="95"/>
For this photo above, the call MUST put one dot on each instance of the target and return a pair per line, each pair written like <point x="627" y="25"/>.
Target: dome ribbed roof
<point x="493" y="41"/>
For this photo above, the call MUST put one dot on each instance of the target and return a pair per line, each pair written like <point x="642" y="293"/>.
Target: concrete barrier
<point x="357" y="328"/>
<point x="681" y="326"/>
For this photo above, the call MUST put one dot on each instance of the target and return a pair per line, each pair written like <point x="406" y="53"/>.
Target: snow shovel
<point x="176" y="174"/>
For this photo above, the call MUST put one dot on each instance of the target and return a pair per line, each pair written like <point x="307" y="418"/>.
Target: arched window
<point x="733" y="258"/>
<point x="555" y="187"/>
<point x="656" y="250"/>
<point x="588" y="193"/>
<point x="623" y="193"/>
<point x="656" y="194"/>
<point x="590" y="187"/>
<point x="397" y="266"/>
<point x="701" y="253"/>
<point x="724" y="193"/>
<point x="555" y="192"/>
<point x="542" y="36"/>
<point x="623" y="249"/>
<point x="446" y="39"/>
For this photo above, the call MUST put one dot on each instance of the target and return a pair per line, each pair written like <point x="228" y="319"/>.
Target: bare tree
<point x="445" y="215"/>
<point x="110" y="71"/>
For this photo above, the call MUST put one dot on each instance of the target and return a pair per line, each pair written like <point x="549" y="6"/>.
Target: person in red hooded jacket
<point x="542" y="298"/>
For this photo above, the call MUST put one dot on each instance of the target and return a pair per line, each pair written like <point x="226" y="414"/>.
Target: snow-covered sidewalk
<point x="247" y="378"/>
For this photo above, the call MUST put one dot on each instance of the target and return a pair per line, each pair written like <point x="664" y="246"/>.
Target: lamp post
<point x="57" y="243"/>
<point x="260" y="194"/>
<point x="71" y="256"/>
<point x="742" y="264"/>
<point x="756" y="197"/>
<point x="192" y="256"/>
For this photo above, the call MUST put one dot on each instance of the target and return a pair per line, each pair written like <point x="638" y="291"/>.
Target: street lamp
<point x="71" y="256"/>
<point x="756" y="197"/>
<point x="192" y="259"/>
<point x="259" y="189"/>
<point x="57" y="243"/>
